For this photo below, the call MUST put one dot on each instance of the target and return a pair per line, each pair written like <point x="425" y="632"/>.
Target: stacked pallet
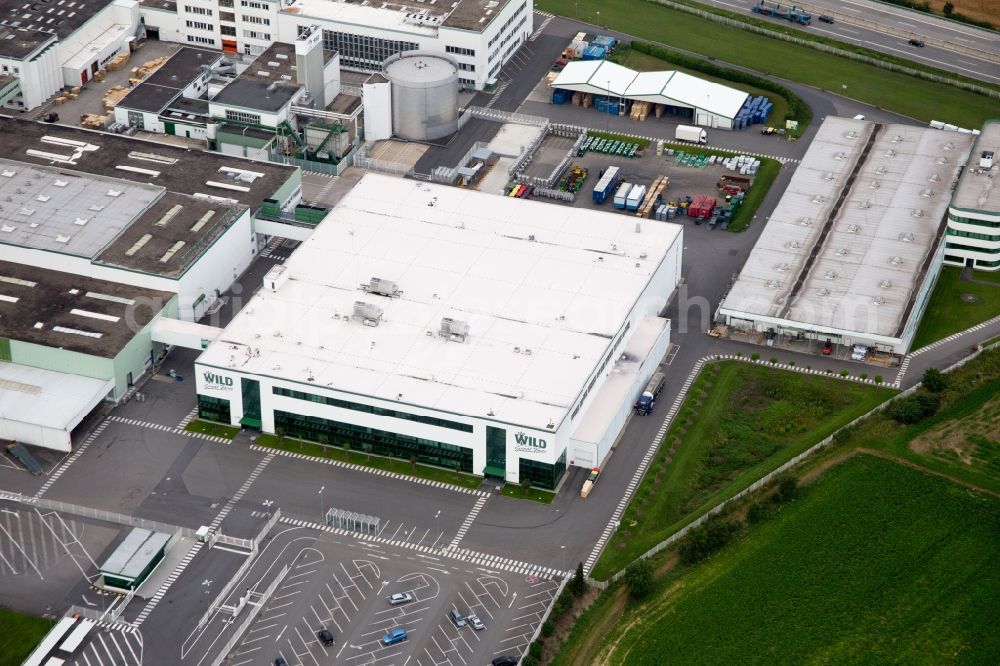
<point x="577" y="98"/>
<point x="114" y="95"/>
<point x="148" y="67"/>
<point x="118" y="62"/>
<point x="658" y="187"/>
<point x="659" y="109"/>
<point x="639" y="110"/>
<point x="588" y="100"/>
<point x="93" y="121"/>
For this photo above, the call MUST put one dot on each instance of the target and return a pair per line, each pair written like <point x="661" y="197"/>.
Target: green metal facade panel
<point x="241" y="140"/>
<point x="4" y="349"/>
<point x="293" y="184"/>
<point x="61" y="360"/>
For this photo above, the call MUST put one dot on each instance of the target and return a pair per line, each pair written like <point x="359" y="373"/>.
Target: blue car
<point x="394" y="636"/>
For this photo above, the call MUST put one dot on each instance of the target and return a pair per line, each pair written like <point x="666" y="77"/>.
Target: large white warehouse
<point x="503" y="337"/>
<point x="854" y="247"/>
<point x="974" y="215"/>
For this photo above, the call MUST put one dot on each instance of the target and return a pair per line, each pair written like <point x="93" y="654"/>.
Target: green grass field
<point x="907" y="95"/>
<point x="877" y="563"/>
<point x="739" y="422"/>
<point x="19" y="634"/>
<point x="947" y="313"/>
<point x="533" y="494"/>
<point x="372" y="461"/>
<point x="210" y="428"/>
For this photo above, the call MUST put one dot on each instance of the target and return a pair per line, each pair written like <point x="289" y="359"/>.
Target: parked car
<point x="827" y="348"/>
<point x="280" y="662"/>
<point x="457" y="618"/>
<point x="917" y="42"/>
<point x="324" y="635"/>
<point x="399" y="598"/>
<point x="859" y="353"/>
<point x="476" y="623"/>
<point x="825" y="18"/>
<point x="394" y="636"/>
<point x="860" y="116"/>
<point x="506" y="660"/>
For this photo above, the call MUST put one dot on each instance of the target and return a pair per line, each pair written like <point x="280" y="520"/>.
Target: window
<point x="198" y="25"/>
<point x="971" y="234"/>
<point x="227" y="30"/>
<point x="966" y="220"/>
<point x="243" y="117"/>
<point x="213" y="409"/>
<point x="200" y="40"/>
<point x="259" y="20"/>
<point x="204" y="11"/>
<point x="227" y="16"/>
<point x="509" y="21"/>
<point x="458" y="50"/>
<point x="371" y="409"/>
<point x="135" y="119"/>
<point x="468" y="83"/>
<point x="972" y="248"/>
<point x="252" y="5"/>
<point x="361" y="51"/>
<point x="253" y="34"/>
<point x="466" y="67"/>
<point x="379" y="442"/>
<point x="226" y="3"/>
<point x="542" y="474"/>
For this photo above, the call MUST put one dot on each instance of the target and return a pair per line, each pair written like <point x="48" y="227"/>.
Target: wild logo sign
<point x="217" y="382"/>
<point x="524" y="443"/>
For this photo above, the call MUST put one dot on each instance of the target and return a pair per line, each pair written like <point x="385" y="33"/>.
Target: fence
<point x="743" y="25"/>
<point x="545" y="615"/>
<point x="315" y="167"/>
<point x="752" y="488"/>
<point x="499" y="116"/>
<point x="268" y="526"/>
<point x="251" y="616"/>
<point x="233" y="541"/>
<point x="362" y="161"/>
<point x="98" y="514"/>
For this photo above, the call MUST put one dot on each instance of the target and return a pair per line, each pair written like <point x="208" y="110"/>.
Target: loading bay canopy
<point x="186" y="334"/>
<point x="42" y="407"/>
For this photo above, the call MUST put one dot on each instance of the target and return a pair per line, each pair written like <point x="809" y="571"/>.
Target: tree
<point x="579" y="583"/>
<point x="934" y="380"/>
<point x="639" y="578"/>
<point x="948" y="9"/>
<point x="526" y="483"/>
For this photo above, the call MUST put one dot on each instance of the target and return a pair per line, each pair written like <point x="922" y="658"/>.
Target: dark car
<point x="280" y="662"/>
<point x="506" y="660"/>
<point x="324" y="635"/>
<point x="824" y="18"/>
<point x="917" y="42"/>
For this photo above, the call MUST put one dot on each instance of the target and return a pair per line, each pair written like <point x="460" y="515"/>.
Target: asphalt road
<point x="919" y="24"/>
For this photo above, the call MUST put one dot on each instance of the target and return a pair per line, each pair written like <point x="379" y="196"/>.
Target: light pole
<point x="322" y="503"/>
<point x="437" y="517"/>
<point x="563" y="549"/>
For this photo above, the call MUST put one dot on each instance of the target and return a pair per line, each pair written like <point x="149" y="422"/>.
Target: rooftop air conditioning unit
<point x="369" y="313"/>
<point x="382" y="287"/>
<point x="454" y="329"/>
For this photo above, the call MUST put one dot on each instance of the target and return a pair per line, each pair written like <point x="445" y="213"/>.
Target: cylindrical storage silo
<point x="424" y="95"/>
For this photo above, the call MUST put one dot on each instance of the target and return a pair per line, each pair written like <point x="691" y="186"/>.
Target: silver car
<point x="476" y="623"/>
<point x="399" y="598"/>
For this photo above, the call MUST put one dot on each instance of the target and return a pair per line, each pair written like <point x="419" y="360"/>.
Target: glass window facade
<point x="361" y="51"/>
<point x="371" y="409"/>
<point x="968" y="220"/>
<point x="970" y="234"/>
<point x="496" y="447"/>
<point x="973" y="248"/>
<point x="542" y="475"/>
<point x="379" y="442"/>
<point x="213" y="409"/>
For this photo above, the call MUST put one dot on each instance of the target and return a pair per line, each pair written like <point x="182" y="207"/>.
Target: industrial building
<point x="134" y="559"/>
<point x="974" y="215"/>
<point x="703" y="102"/>
<point x="67" y="343"/>
<point x="855" y="244"/>
<point x="480" y="34"/>
<point x="143" y="214"/>
<point x="496" y="336"/>
<point x="45" y="46"/>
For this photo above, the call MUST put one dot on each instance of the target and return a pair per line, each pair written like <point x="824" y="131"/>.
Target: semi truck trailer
<point x="647" y="400"/>
<point x="691" y="134"/>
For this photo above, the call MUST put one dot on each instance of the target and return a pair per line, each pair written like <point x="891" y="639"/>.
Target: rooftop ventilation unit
<point x="830" y="275"/>
<point x="927" y="194"/>
<point x="823" y="291"/>
<point x="783" y="267"/>
<point x="774" y="284"/>
<point x="805" y="222"/>
<point x="842" y="252"/>
<point x="986" y="159"/>
<point x="454" y="329"/>
<point x="885" y="284"/>
<point x="792" y="245"/>
<point x="840" y="156"/>
<point x="878" y="300"/>
<point x="906" y="237"/>
<point x="897" y="139"/>
<point x="942" y="160"/>
<point x="369" y="313"/>
<point x="934" y="178"/>
<point x="948" y="146"/>
<point x="874" y="185"/>
<point x="828" y="176"/>
<point x="853" y="228"/>
<point x="895" y="260"/>
<point x="819" y="198"/>
<point x="276" y="277"/>
<point x="917" y="212"/>
<point x="865" y="205"/>
<point x="382" y="287"/>
<point x="890" y="153"/>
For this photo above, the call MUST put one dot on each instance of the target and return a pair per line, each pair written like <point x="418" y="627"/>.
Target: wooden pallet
<point x="658" y="187"/>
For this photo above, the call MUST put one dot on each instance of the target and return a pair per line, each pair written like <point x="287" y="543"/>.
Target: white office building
<point x="480" y="34"/>
<point x="498" y="336"/>
<point x="855" y="244"/>
<point x="974" y="215"/>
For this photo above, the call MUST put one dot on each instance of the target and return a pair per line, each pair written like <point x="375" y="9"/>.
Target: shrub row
<point x="797" y="109"/>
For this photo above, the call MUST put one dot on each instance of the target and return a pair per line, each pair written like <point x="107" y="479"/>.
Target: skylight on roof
<point x="95" y="315"/>
<point x="137" y="246"/>
<point x="17" y="281"/>
<point x="9" y="299"/>
<point x="105" y="297"/>
<point x="76" y="331"/>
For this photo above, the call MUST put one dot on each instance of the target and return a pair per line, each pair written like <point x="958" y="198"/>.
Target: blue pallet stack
<point x="561" y="95"/>
<point x="756" y="110"/>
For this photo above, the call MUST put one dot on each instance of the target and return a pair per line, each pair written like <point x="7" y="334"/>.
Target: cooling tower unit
<point x="424" y="95"/>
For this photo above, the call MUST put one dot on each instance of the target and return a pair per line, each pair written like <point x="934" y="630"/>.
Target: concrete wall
<point x="378" y="110"/>
<point x="219" y="266"/>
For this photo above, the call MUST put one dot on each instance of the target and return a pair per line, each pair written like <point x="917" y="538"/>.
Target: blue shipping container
<point x="595" y="52"/>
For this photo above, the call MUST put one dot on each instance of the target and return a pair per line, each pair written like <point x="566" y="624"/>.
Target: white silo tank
<point x="424" y="95"/>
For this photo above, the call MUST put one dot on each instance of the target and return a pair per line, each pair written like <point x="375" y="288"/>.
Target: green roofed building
<point x="134" y="558"/>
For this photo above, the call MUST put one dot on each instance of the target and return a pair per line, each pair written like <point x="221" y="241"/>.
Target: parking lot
<point x="342" y="585"/>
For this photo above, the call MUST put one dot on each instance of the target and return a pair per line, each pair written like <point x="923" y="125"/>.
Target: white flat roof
<point x="862" y="275"/>
<point x="979" y="188"/>
<point x="46" y="398"/>
<point x="370" y="16"/>
<point x="602" y="77"/>
<point x="460" y="254"/>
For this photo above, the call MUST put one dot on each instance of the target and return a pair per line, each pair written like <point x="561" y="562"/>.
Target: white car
<point x="476" y="623"/>
<point x="399" y="598"/>
<point x="859" y="353"/>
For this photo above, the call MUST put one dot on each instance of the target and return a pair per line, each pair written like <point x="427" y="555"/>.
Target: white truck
<point x="691" y="134"/>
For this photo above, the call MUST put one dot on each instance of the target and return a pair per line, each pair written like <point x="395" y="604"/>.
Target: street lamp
<point x="437" y="517"/>
<point x="563" y="549"/>
<point x="322" y="503"/>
